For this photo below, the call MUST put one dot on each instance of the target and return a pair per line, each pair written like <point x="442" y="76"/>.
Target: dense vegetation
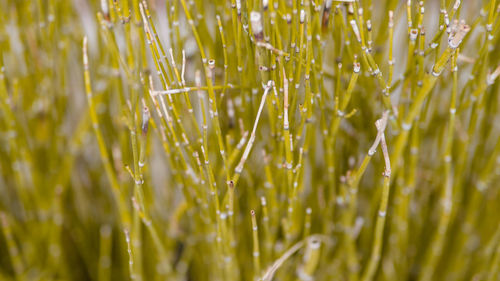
<point x="249" y="140"/>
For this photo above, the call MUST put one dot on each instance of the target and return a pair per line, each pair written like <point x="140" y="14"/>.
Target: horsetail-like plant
<point x="249" y="140"/>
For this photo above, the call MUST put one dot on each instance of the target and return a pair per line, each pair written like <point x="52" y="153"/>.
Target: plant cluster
<point x="249" y="140"/>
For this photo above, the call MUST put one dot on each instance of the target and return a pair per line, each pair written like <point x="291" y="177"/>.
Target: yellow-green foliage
<point x="249" y="140"/>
